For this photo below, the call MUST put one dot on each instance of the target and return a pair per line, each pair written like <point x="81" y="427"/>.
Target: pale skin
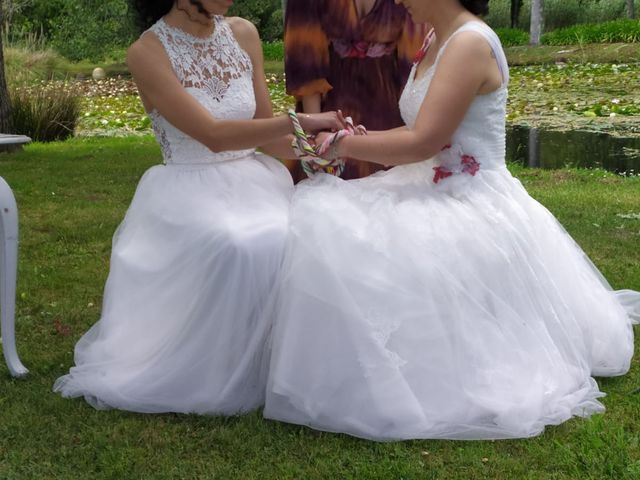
<point x="161" y="90"/>
<point x="466" y="69"/>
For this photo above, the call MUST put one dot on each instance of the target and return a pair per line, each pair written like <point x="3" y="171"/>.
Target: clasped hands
<point x="319" y="153"/>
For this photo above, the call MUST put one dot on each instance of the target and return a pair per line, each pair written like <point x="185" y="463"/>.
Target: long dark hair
<point x="477" y="7"/>
<point x="149" y="12"/>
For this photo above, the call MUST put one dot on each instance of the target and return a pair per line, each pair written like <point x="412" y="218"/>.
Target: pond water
<point x="549" y="149"/>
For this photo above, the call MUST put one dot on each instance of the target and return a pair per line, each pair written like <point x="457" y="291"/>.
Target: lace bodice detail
<point x="218" y="73"/>
<point x="482" y="131"/>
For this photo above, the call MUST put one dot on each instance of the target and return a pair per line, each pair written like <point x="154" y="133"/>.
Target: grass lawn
<point x="71" y="198"/>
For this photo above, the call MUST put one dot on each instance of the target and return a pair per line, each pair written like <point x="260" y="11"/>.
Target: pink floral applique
<point x="441" y="173"/>
<point x="453" y="161"/>
<point x="470" y="165"/>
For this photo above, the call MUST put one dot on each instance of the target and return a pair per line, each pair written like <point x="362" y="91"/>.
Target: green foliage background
<point x="267" y="15"/>
<point x="98" y="30"/>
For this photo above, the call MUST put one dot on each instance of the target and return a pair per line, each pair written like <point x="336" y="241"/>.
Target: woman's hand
<point x="315" y="122"/>
<point x="321" y="137"/>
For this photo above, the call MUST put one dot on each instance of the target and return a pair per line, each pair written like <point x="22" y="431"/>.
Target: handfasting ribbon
<point x="332" y="142"/>
<point x="306" y="153"/>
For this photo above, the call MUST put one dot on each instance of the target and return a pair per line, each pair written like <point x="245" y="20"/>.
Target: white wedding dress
<point x="456" y="309"/>
<point x="184" y="322"/>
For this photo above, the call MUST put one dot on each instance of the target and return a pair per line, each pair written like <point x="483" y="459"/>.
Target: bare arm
<point x="249" y="39"/>
<point x="161" y="90"/>
<point x="403" y="128"/>
<point x="466" y="69"/>
<point x="312" y="103"/>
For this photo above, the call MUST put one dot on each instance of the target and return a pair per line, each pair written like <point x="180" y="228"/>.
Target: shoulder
<point x="244" y="30"/>
<point x="147" y="52"/>
<point x="147" y="45"/>
<point x="247" y="36"/>
<point x="469" y="46"/>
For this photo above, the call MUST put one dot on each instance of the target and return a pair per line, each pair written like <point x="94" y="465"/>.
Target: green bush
<point x="47" y="112"/>
<point x="623" y="31"/>
<point x="25" y="66"/>
<point x="510" y="37"/>
<point x="78" y="29"/>
<point x="273" y="50"/>
<point x="627" y="31"/>
<point x="559" y="13"/>
<point x="266" y="15"/>
<point x="273" y="29"/>
<point x="104" y="27"/>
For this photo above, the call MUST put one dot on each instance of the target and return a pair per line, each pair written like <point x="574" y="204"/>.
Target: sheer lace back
<point x="218" y="73"/>
<point x="482" y="131"/>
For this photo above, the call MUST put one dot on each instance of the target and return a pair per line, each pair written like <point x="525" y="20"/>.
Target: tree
<point x="266" y="15"/>
<point x="516" y="5"/>
<point x="5" y="104"/>
<point x="537" y="19"/>
<point x="630" y="9"/>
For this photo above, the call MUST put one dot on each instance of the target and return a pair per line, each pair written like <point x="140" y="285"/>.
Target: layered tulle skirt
<point x="460" y="310"/>
<point x="184" y="323"/>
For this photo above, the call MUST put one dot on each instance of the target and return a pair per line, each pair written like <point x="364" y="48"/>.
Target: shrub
<point x="78" y="29"/>
<point x="559" y="13"/>
<point x="627" y="31"/>
<point x="46" y="112"/>
<point x="273" y="50"/>
<point x="266" y="15"/>
<point x="104" y="26"/>
<point x="511" y="37"/>
<point x="273" y="28"/>
<point x="24" y="65"/>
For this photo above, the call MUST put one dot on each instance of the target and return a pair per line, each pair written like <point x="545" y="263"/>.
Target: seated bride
<point x="438" y="299"/>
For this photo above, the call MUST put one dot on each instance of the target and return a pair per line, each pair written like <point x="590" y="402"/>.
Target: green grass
<point x="616" y="31"/>
<point x="623" y="30"/>
<point x="72" y="196"/>
<point x="585" y="53"/>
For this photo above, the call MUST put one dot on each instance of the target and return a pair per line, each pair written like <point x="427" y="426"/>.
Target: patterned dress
<point x="359" y="64"/>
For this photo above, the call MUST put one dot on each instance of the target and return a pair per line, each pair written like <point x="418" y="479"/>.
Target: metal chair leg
<point x="8" y="272"/>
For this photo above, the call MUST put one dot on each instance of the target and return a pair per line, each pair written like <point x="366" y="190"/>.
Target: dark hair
<point x="149" y="12"/>
<point x="477" y="7"/>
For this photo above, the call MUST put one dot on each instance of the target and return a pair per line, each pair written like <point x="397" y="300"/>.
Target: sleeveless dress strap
<point x="493" y="41"/>
<point x="164" y="34"/>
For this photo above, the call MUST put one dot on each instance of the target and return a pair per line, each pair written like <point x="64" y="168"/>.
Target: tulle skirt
<point x="184" y="324"/>
<point x="461" y="310"/>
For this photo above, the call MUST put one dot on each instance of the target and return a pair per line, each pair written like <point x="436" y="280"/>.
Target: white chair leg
<point x="8" y="272"/>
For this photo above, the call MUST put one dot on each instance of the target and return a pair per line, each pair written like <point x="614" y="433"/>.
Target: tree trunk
<point x="516" y="5"/>
<point x="5" y="106"/>
<point x="537" y="20"/>
<point x="630" y="9"/>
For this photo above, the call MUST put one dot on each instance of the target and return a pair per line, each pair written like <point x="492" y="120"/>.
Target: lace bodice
<point x="218" y="73"/>
<point x="482" y="131"/>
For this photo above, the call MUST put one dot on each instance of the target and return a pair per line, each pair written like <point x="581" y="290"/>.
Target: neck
<point x="448" y="19"/>
<point x="193" y="23"/>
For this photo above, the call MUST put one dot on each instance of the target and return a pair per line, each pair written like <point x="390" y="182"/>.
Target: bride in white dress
<point x="437" y="299"/>
<point x="184" y="322"/>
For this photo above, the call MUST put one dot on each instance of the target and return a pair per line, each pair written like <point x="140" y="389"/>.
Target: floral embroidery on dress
<point x="453" y="161"/>
<point x="218" y="73"/>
